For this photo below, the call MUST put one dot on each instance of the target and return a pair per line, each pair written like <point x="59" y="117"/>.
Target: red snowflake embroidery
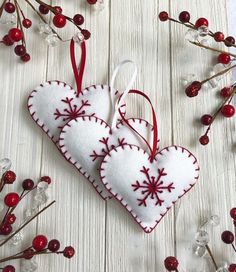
<point x="152" y="187"/>
<point x="72" y="111"/>
<point x="107" y="148"/>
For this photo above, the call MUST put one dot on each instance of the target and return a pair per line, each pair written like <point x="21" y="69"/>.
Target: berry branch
<point x="40" y="244"/>
<point x="16" y="35"/>
<point x="196" y="35"/>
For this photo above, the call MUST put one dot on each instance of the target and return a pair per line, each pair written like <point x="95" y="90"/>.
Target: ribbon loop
<point x="120" y="101"/>
<point x="78" y="74"/>
<point x="152" y="149"/>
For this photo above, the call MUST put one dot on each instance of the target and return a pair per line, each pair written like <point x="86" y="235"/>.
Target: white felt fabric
<point x="86" y="140"/>
<point x="142" y="193"/>
<point x="54" y="103"/>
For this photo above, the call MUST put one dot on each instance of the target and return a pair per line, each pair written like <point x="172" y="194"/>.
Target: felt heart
<point x="86" y="140"/>
<point x="148" y="188"/>
<point x="54" y="103"/>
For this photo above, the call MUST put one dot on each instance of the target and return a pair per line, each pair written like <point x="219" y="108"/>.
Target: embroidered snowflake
<point x="152" y="187"/>
<point x="72" y="111"/>
<point x="106" y="148"/>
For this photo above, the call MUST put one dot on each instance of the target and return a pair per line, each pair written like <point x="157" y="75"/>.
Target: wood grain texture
<point x="106" y="238"/>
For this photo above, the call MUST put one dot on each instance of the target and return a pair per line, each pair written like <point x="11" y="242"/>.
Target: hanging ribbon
<point x="120" y="101"/>
<point x="152" y="149"/>
<point x="78" y="74"/>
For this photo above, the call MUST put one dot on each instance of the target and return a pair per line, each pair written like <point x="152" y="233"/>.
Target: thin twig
<point x="26" y="223"/>
<point x="212" y="257"/>
<point x="2" y="7"/>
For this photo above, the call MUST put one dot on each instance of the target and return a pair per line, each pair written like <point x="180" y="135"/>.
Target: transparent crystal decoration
<point x="100" y="5"/>
<point x="222" y="269"/>
<point x="28" y="265"/>
<point x="42" y="186"/>
<point x="219" y="67"/>
<point x="202" y="238"/>
<point x="52" y="39"/>
<point x="40" y="199"/>
<point x="78" y="37"/>
<point x="44" y="28"/>
<point x="8" y="19"/>
<point x="5" y="165"/>
<point x="214" y="81"/>
<point x="205" y="42"/>
<point x="16" y="239"/>
<point x="199" y="250"/>
<point x="214" y="220"/>
<point x="191" y="35"/>
<point x="203" y="31"/>
<point x="30" y="212"/>
<point x="188" y="79"/>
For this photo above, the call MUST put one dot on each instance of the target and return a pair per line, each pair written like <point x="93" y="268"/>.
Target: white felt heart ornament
<point x="54" y="103"/>
<point x="149" y="189"/>
<point x="86" y="140"/>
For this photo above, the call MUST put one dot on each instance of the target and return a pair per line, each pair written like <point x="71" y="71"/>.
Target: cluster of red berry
<point x="226" y="108"/>
<point x="16" y="34"/>
<point x="171" y="263"/>
<point x="40" y="244"/>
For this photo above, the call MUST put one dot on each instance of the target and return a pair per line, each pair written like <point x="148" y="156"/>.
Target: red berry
<point x="229" y="41"/>
<point x="226" y="92"/>
<point x="171" y="263"/>
<point x="92" y="2"/>
<point x="20" y="50"/>
<point x="86" y="34"/>
<point x="6" y="229"/>
<point x="184" y="17"/>
<point x="15" y="34"/>
<point x="206" y="119"/>
<point x="54" y="245"/>
<point x="40" y="242"/>
<point x="9" y="177"/>
<point x="219" y="36"/>
<point x="58" y="9"/>
<point x="233" y="213"/>
<point x="232" y="268"/>
<point x="10" y="219"/>
<point x="193" y="89"/>
<point x="46" y="179"/>
<point x="29" y="254"/>
<point x="78" y="19"/>
<point x="7" y="41"/>
<point x="224" y="58"/>
<point x="25" y="58"/>
<point x="59" y="20"/>
<point x="43" y="9"/>
<point x="228" y="110"/>
<point x="163" y="16"/>
<point x="8" y="268"/>
<point x="204" y="140"/>
<point x="227" y="237"/>
<point x="11" y="199"/>
<point x="69" y="252"/>
<point x="9" y="7"/>
<point x="27" y="23"/>
<point x="28" y="184"/>
<point x="201" y="22"/>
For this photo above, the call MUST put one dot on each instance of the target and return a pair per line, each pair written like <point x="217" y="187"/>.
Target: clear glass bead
<point x="16" y="239"/>
<point x="42" y="186"/>
<point x="188" y="79"/>
<point x="28" y="265"/>
<point x="100" y="5"/>
<point x="199" y="250"/>
<point x="52" y="40"/>
<point x="214" y="82"/>
<point x="40" y="199"/>
<point x="30" y="212"/>
<point x="8" y="19"/>
<point x="44" y="28"/>
<point x="191" y="35"/>
<point x="219" y="67"/>
<point x="78" y="37"/>
<point x="5" y="165"/>
<point x="203" y="31"/>
<point x="214" y="220"/>
<point x="202" y="238"/>
<point x="205" y="42"/>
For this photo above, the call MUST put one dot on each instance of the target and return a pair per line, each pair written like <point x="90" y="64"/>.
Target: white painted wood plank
<point x="214" y="192"/>
<point x="135" y="35"/>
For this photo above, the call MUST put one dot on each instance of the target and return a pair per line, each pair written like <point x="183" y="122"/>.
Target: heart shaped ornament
<point x="85" y="142"/>
<point x="148" y="188"/>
